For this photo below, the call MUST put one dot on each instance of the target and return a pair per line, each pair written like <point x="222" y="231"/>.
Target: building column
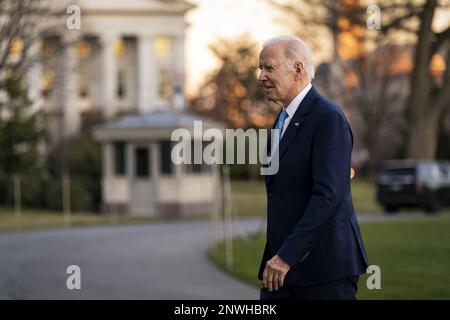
<point x="108" y="61"/>
<point x="155" y="166"/>
<point x="178" y="99"/>
<point x="147" y="85"/>
<point x="130" y="162"/>
<point x="108" y="159"/>
<point x="34" y="76"/>
<point x="70" y="112"/>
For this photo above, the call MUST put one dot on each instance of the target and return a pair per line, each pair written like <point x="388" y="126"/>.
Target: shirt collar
<point x="295" y="103"/>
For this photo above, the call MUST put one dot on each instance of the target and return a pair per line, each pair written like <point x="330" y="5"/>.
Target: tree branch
<point x="440" y="40"/>
<point x="442" y="100"/>
<point x="398" y="22"/>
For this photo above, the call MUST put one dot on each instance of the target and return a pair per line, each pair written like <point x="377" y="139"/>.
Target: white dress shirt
<point x="293" y="106"/>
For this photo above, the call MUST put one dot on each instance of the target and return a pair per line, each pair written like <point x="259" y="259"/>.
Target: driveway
<point x="166" y="260"/>
<point x="157" y="261"/>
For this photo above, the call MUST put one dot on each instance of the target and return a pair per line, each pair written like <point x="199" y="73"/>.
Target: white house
<point x="127" y="58"/>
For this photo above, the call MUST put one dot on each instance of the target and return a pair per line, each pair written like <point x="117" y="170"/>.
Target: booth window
<point x="142" y="162"/>
<point x="166" y="160"/>
<point x="119" y="158"/>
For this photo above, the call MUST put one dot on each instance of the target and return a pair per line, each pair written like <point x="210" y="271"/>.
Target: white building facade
<point x="128" y="56"/>
<point x="126" y="65"/>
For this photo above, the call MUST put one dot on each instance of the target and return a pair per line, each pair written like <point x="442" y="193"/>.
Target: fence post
<point x="66" y="199"/>
<point x="18" y="201"/>
<point x="228" y="223"/>
<point x="217" y="207"/>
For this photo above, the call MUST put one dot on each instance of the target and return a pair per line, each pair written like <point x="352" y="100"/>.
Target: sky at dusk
<point x="214" y="19"/>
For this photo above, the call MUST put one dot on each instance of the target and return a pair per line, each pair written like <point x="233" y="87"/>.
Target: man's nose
<point x="262" y="76"/>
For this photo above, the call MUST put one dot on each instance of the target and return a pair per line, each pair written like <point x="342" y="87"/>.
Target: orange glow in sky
<point x="213" y="19"/>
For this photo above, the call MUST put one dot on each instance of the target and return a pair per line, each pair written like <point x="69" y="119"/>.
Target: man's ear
<point x="299" y="70"/>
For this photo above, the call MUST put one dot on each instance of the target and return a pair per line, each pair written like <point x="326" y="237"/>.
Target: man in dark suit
<point x="314" y="248"/>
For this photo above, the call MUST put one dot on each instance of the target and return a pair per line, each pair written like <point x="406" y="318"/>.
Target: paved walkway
<point x="157" y="261"/>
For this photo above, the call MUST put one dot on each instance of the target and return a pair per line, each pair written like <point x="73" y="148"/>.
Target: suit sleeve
<point x="331" y="159"/>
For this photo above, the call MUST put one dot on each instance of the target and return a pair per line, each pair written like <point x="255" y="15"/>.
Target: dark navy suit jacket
<point x="311" y="222"/>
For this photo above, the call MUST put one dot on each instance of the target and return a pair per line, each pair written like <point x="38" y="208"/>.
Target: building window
<point x="163" y="47"/>
<point x="197" y="168"/>
<point x="47" y="82"/>
<point x="119" y="158"/>
<point x="165" y="160"/>
<point x="16" y="46"/>
<point x="193" y="167"/>
<point x="121" y="88"/>
<point x="83" y="85"/>
<point x="142" y="162"/>
<point x="165" y="84"/>
<point x="120" y="48"/>
<point x="48" y="47"/>
<point x="84" y="52"/>
<point x="84" y="49"/>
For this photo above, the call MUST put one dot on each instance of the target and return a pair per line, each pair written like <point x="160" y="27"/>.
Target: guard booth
<point x="139" y="176"/>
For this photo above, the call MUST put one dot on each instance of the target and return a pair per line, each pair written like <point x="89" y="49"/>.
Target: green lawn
<point x="364" y="196"/>
<point x="249" y="197"/>
<point x="414" y="257"/>
<point x="40" y="219"/>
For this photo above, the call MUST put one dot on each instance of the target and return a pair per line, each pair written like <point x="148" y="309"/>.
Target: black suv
<point x="424" y="184"/>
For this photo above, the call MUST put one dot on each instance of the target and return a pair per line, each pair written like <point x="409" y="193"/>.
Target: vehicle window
<point x="445" y="171"/>
<point x="399" y="171"/>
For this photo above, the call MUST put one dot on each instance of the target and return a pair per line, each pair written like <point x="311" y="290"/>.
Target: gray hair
<point x="296" y="49"/>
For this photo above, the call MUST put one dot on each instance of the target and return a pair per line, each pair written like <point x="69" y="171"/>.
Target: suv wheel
<point x="432" y="204"/>
<point x="390" y="209"/>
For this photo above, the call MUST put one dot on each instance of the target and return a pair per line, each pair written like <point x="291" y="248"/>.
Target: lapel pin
<point x="296" y="124"/>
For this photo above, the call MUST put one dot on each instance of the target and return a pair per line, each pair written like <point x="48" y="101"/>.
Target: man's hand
<point x="274" y="273"/>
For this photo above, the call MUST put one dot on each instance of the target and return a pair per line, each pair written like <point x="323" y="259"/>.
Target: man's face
<point x="276" y="78"/>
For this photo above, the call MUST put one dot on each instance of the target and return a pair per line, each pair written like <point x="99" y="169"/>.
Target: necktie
<point x="279" y="128"/>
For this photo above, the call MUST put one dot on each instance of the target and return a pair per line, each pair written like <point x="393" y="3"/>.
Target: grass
<point x="414" y="257"/>
<point x="250" y="197"/>
<point x="249" y="200"/>
<point x="364" y="196"/>
<point x="43" y="219"/>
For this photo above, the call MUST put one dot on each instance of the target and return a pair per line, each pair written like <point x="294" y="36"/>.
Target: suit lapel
<point x="297" y="121"/>
<point x="267" y="178"/>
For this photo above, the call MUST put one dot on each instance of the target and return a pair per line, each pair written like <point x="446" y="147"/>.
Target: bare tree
<point x="322" y="20"/>
<point x="372" y="91"/>
<point x="22" y="22"/>
<point x="430" y="97"/>
<point x="21" y="25"/>
<point x="428" y="94"/>
<point x="232" y="93"/>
